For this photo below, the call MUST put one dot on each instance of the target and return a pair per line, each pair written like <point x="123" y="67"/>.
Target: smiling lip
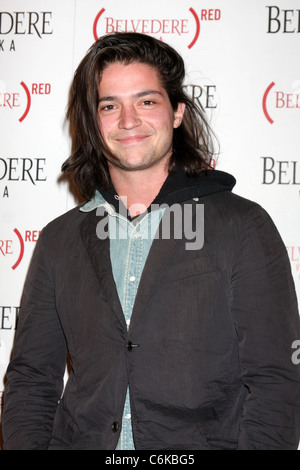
<point x="134" y="139"/>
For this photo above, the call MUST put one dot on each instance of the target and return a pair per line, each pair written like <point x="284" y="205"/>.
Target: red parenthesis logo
<point x="96" y="20"/>
<point x="21" y="249"/>
<point x="264" y="104"/>
<point x="197" y="27"/>
<point x="96" y="23"/>
<point x="28" y="101"/>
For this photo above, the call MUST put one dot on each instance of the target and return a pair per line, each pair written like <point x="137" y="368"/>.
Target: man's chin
<point x="131" y="164"/>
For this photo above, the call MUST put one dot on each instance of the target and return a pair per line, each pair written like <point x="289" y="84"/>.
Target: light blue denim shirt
<point x="130" y="243"/>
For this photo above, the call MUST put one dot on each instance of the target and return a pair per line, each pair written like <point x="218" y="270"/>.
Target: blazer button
<point x="115" y="426"/>
<point x="130" y="345"/>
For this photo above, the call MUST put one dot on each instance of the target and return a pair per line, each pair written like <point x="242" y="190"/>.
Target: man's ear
<point x="178" y="115"/>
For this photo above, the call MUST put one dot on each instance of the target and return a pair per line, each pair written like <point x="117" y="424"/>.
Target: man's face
<point x="135" y="116"/>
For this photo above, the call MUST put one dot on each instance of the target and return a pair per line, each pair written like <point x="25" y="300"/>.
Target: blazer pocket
<point x="200" y="265"/>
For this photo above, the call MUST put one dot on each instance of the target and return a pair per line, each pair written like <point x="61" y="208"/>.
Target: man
<point x="180" y="327"/>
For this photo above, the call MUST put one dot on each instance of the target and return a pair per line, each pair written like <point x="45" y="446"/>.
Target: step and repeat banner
<point x="243" y="68"/>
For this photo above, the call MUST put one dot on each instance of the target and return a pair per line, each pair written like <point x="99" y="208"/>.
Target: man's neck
<point x="138" y="189"/>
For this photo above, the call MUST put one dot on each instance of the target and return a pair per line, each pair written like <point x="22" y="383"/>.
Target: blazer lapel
<point x="99" y="254"/>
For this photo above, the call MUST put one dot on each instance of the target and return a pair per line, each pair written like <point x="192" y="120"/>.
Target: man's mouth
<point x="131" y="140"/>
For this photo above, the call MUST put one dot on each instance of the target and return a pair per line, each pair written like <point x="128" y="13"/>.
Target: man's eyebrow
<point x="137" y="95"/>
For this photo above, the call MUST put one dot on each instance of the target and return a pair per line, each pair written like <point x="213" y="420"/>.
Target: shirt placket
<point x="130" y="287"/>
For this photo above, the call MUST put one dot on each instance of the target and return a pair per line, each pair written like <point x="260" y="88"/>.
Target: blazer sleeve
<point x="266" y="318"/>
<point x="35" y="373"/>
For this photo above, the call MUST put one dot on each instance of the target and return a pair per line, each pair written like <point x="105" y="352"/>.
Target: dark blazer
<point x="207" y="356"/>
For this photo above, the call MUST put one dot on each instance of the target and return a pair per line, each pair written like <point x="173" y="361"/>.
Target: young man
<point x="179" y="323"/>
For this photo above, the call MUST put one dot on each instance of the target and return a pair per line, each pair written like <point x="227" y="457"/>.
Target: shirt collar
<point x="97" y="201"/>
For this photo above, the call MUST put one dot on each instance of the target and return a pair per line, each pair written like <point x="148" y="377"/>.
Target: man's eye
<point x="108" y="107"/>
<point x="148" y="102"/>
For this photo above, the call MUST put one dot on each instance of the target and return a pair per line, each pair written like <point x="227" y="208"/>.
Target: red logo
<point x="15" y="247"/>
<point x="28" y="102"/>
<point x="278" y="100"/>
<point x="10" y="100"/>
<point x="21" y="252"/>
<point x="104" y="24"/>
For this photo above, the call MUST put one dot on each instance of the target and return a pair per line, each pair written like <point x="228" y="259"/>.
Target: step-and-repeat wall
<point x="243" y="68"/>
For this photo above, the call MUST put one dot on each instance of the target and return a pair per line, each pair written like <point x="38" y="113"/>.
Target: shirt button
<point x="115" y="426"/>
<point x="132" y="278"/>
<point x="127" y="416"/>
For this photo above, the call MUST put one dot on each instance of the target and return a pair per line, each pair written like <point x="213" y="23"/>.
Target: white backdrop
<point x="242" y="54"/>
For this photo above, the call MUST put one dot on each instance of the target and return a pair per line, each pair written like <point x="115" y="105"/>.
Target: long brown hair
<point x="193" y="140"/>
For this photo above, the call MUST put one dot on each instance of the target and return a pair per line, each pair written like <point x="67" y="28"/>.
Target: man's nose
<point x="129" y="117"/>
